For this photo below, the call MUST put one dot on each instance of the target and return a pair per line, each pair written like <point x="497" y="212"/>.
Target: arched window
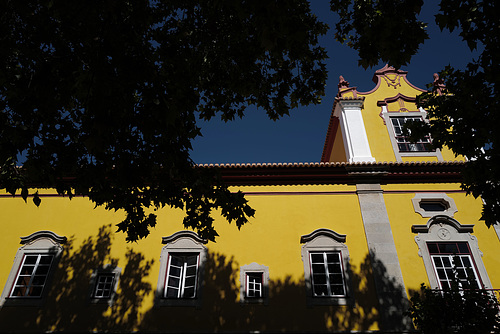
<point x="326" y="260"/>
<point x="34" y="264"/>
<point x="448" y="248"/>
<point x="181" y="270"/>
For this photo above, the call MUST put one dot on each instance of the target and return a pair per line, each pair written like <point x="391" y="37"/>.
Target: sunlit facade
<point x="336" y="245"/>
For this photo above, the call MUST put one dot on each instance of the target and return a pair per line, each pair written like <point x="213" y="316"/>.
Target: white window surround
<point x="107" y="270"/>
<point x="250" y="269"/>
<point x="181" y="242"/>
<point x="448" y="202"/>
<point x="442" y="228"/>
<point x="399" y="155"/>
<point x="325" y="240"/>
<point x="350" y="117"/>
<point x="38" y="243"/>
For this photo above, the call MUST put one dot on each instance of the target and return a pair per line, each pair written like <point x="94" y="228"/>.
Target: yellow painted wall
<point x="272" y="238"/>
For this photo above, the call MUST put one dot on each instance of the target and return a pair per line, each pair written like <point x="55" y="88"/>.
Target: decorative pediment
<point x="183" y="234"/>
<point x="57" y="239"/>
<point x="325" y="233"/>
<point x="440" y="220"/>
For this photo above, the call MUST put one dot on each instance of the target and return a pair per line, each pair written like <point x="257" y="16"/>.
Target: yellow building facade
<point x="335" y="246"/>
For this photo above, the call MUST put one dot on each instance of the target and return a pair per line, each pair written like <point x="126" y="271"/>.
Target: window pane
<point x="317" y="258"/>
<point x="192" y="260"/>
<point x="38" y="280"/>
<point x="437" y="262"/>
<point x="320" y="290"/>
<point x="335" y="268"/>
<point x="319" y="279"/>
<point x="463" y="248"/>
<point x="338" y="290"/>
<point x="190" y="281"/>
<point x="173" y="281"/>
<point x="318" y="268"/>
<point x="336" y="278"/>
<point x="189" y="292"/>
<point x="31" y="259"/>
<point x="172" y="292"/>
<point x="191" y="271"/>
<point x="46" y="259"/>
<point x="432" y="206"/>
<point x="333" y="258"/>
<point x="449" y="248"/>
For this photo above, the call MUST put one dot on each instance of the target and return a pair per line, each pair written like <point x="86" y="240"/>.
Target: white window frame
<point x="183" y="276"/>
<point x="181" y="243"/>
<point x="387" y="116"/>
<point x="451" y="268"/>
<point x="442" y="228"/>
<point x="326" y="241"/>
<point x="249" y="269"/>
<point x="40" y="243"/>
<point x="110" y="271"/>
<point x="327" y="274"/>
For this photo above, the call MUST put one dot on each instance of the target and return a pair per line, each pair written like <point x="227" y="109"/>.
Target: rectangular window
<point x="404" y="144"/>
<point x="104" y="285"/>
<point x="453" y="258"/>
<point x="182" y="275"/>
<point x="254" y="285"/>
<point x="327" y="274"/>
<point x="32" y="276"/>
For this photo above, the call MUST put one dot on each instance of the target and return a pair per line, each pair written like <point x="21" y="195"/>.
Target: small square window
<point x="254" y="285"/>
<point x="103" y="284"/>
<point x="254" y="280"/>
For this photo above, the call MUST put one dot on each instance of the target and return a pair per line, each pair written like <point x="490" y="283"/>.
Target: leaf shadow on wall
<point x="67" y="305"/>
<point x="286" y="311"/>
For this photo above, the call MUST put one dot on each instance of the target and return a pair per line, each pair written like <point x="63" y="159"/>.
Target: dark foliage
<point x="454" y="311"/>
<point x="101" y="97"/>
<point x="386" y="30"/>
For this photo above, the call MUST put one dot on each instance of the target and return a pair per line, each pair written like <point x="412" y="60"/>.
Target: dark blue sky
<point x="300" y="136"/>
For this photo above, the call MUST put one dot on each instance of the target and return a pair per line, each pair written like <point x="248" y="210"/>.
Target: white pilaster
<point x="352" y="125"/>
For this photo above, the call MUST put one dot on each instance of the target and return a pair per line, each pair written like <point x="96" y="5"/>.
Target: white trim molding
<point x="446" y="229"/>
<point x="450" y="208"/>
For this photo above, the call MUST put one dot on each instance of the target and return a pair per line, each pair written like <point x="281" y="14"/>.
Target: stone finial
<point x="343" y="83"/>
<point x="438" y="84"/>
